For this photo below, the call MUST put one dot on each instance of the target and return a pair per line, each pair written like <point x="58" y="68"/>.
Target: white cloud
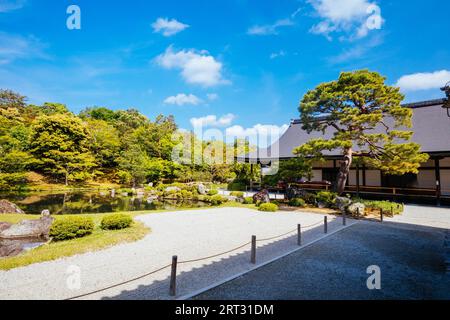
<point x="270" y="29"/>
<point x="278" y="54"/>
<point x="261" y="135"/>
<point x="212" y="96"/>
<point x="10" y="5"/>
<point x="424" y="81"/>
<point x="196" y="67"/>
<point x="14" y="47"/>
<point x="357" y="17"/>
<point x="213" y="121"/>
<point x="168" y="27"/>
<point x="183" y="99"/>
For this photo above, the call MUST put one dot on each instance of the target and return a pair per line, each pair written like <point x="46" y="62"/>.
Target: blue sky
<point x="243" y="64"/>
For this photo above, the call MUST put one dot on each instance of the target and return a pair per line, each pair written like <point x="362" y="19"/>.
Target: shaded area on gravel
<point x="411" y="259"/>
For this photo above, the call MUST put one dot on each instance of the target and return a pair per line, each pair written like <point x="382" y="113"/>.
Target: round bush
<point x="237" y="194"/>
<point x="268" y="207"/>
<point x="116" y="222"/>
<point x="297" y="202"/>
<point x="213" y="192"/>
<point x="218" y="200"/>
<point x="71" y="228"/>
<point x="248" y="200"/>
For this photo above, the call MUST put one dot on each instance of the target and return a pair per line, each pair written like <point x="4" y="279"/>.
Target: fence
<point x="253" y="258"/>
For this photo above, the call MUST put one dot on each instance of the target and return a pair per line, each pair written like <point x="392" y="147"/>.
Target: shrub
<point x="186" y="194"/>
<point x="310" y="198"/>
<point x="116" y="222"/>
<point x="218" y="200"/>
<point x="297" y="202"/>
<point x="268" y="207"/>
<point x="71" y="228"/>
<point x="387" y="206"/>
<point x="248" y="200"/>
<point x="237" y="194"/>
<point x="327" y="198"/>
<point x="237" y="186"/>
<point x="212" y="192"/>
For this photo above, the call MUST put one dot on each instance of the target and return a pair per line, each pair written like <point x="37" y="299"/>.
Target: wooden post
<point x="437" y="165"/>
<point x="173" y="277"/>
<point x="344" y="218"/>
<point x="325" y="221"/>
<point x="253" y="253"/>
<point x="299" y="235"/>
<point x="357" y="181"/>
<point x="382" y="215"/>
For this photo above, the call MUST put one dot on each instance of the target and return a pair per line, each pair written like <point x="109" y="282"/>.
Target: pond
<point x="91" y="203"/>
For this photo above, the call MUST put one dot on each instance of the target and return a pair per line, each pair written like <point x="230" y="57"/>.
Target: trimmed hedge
<point x="116" y="222"/>
<point x="71" y="228"/>
<point x="327" y="198"/>
<point x="213" y="192"/>
<point x="248" y="200"/>
<point x="268" y="207"/>
<point x="237" y="194"/>
<point x="297" y="202"/>
<point x="218" y="200"/>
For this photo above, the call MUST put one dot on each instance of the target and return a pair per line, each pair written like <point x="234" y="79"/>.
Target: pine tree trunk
<point x="344" y="171"/>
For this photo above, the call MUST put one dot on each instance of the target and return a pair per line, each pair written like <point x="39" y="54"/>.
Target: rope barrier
<point x="186" y="262"/>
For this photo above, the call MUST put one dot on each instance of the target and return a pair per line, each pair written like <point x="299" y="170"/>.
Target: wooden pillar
<point x="357" y="181"/>
<point x="437" y="166"/>
<point x="364" y="176"/>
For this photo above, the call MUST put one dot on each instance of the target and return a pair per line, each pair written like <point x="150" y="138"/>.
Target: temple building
<point x="431" y="127"/>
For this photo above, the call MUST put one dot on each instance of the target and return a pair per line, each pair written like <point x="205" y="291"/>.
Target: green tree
<point x="60" y="144"/>
<point x="365" y="113"/>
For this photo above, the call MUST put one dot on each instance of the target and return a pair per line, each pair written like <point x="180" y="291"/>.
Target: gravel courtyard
<point x="188" y="234"/>
<point x="409" y="249"/>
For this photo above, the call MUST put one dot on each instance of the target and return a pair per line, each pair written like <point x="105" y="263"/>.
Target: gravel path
<point x="188" y="234"/>
<point x="409" y="252"/>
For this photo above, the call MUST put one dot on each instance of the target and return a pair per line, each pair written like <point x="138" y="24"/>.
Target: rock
<point x="29" y="229"/>
<point x="342" y="203"/>
<point x="201" y="189"/>
<point x="4" y="226"/>
<point x="172" y="189"/>
<point x="353" y="209"/>
<point x="10" y="248"/>
<point x="293" y="193"/>
<point x="262" y="197"/>
<point x="45" y="213"/>
<point x="9" y="207"/>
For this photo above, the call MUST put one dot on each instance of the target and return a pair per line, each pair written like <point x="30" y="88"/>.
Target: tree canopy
<point x="367" y="120"/>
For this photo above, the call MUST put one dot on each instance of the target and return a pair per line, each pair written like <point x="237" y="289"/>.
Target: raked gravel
<point x="188" y="234"/>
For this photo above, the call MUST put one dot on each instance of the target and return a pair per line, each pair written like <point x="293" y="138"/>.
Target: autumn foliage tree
<point x="367" y="120"/>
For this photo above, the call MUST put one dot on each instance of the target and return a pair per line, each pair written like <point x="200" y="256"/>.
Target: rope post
<point x="253" y="255"/>
<point x="381" y="215"/>
<point x="392" y="211"/>
<point x="344" y="218"/>
<point x="325" y="221"/>
<point x="299" y="235"/>
<point x="358" y="213"/>
<point x="173" y="277"/>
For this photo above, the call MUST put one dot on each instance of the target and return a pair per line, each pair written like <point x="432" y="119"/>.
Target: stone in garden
<point x="29" y="229"/>
<point x="293" y="193"/>
<point x="262" y="197"/>
<point x="45" y="213"/>
<point x="342" y="203"/>
<point x="4" y="226"/>
<point x="9" y="207"/>
<point x="10" y="248"/>
<point x="201" y="189"/>
<point x="353" y="209"/>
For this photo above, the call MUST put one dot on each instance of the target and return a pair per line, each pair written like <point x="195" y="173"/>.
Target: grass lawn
<point x="98" y="240"/>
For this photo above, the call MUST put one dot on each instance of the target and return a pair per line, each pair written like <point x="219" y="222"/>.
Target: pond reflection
<point x="92" y="202"/>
